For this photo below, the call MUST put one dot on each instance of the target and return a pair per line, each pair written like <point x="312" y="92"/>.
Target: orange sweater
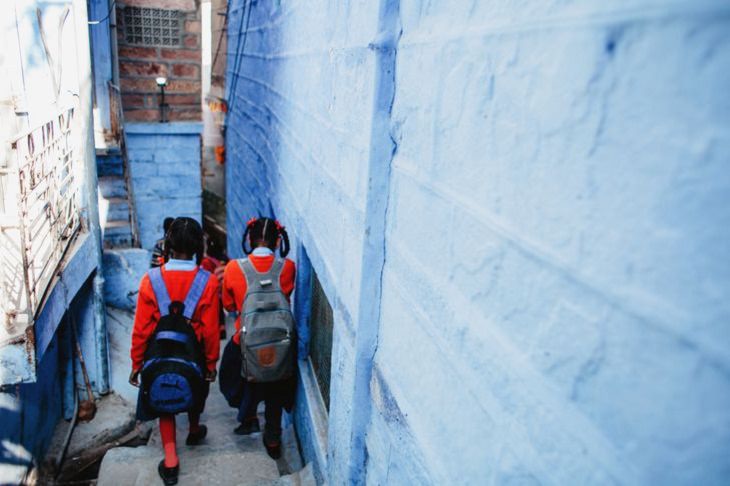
<point x="204" y="321"/>
<point x="234" y="283"/>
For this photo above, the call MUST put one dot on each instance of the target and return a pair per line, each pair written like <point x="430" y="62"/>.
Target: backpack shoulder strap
<point x="276" y="269"/>
<point x="249" y="273"/>
<point x="160" y="290"/>
<point x="272" y="278"/>
<point x="268" y="278"/>
<point x="196" y="292"/>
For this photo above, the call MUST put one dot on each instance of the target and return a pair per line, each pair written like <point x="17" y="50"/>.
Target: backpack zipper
<point x="265" y="310"/>
<point x="254" y="346"/>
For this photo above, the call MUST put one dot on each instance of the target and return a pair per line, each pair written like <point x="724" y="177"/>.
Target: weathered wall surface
<point x="549" y="189"/>
<point x="568" y="168"/>
<point x="29" y="410"/>
<point x="165" y="165"/>
<point x="29" y="415"/>
<point x="297" y="146"/>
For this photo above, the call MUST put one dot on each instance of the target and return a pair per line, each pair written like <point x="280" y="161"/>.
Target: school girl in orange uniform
<point x="265" y="236"/>
<point x="184" y="243"/>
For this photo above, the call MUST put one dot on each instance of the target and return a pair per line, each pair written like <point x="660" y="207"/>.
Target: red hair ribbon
<point x="279" y="227"/>
<point x="250" y="222"/>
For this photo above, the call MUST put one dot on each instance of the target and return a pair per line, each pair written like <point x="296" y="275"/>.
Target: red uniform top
<point x="209" y="263"/>
<point x="234" y="283"/>
<point x="204" y="321"/>
<point x="212" y="264"/>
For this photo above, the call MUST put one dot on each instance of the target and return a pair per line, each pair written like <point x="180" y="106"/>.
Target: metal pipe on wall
<point x="113" y="38"/>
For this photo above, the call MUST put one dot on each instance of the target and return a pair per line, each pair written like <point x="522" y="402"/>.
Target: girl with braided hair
<point x="263" y="236"/>
<point x="184" y="246"/>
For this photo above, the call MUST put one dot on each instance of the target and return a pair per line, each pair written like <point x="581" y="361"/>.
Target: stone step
<point x="121" y="241"/>
<point x="118" y="209"/>
<point x="201" y="465"/>
<point x="110" y="149"/>
<point x="117" y="200"/>
<point x="116" y="227"/>
<point x="303" y="477"/>
<point x="109" y="165"/>
<point x="112" y="186"/>
<point x="117" y="234"/>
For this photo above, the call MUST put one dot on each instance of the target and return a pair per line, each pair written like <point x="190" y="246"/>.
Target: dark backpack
<point x="268" y="335"/>
<point x="174" y="365"/>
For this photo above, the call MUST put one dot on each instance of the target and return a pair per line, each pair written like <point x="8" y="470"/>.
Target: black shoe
<point x="168" y="474"/>
<point x="249" y="426"/>
<point x="195" y="438"/>
<point x="273" y="448"/>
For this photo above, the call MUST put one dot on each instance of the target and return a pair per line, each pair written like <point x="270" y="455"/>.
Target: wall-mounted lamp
<point x="162" y="82"/>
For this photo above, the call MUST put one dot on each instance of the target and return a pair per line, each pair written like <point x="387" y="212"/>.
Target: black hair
<point x="185" y="236"/>
<point x="166" y="224"/>
<point x="213" y="249"/>
<point x="266" y="231"/>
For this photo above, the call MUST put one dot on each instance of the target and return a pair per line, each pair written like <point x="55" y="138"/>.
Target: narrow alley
<point x="479" y="242"/>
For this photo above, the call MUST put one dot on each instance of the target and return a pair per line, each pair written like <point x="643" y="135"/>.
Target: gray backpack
<point x="267" y="326"/>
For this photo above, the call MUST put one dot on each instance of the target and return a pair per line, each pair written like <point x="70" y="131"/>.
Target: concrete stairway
<point x="114" y="207"/>
<point x="223" y="459"/>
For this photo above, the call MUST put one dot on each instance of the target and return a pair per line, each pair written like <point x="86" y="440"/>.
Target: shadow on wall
<point x="28" y="415"/>
<point x="29" y="412"/>
<point x="253" y="126"/>
<point x="11" y="272"/>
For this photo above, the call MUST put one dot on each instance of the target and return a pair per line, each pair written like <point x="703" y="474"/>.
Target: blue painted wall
<point x="100" y="38"/>
<point x="29" y="413"/>
<point x="519" y="213"/>
<point x="165" y="166"/>
<point x="42" y="360"/>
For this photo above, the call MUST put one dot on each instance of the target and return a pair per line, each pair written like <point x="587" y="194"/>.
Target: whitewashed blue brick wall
<point x="555" y="260"/>
<point x="165" y="165"/>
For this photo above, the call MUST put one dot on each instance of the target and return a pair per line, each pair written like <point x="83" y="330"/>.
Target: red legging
<point x="168" y="436"/>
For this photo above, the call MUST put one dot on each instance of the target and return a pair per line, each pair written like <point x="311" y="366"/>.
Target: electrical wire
<point x="240" y="47"/>
<point x="97" y="22"/>
<point x="237" y="59"/>
<point x="238" y="41"/>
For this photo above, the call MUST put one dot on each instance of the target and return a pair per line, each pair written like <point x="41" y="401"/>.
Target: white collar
<point x="262" y="251"/>
<point x="180" y="265"/>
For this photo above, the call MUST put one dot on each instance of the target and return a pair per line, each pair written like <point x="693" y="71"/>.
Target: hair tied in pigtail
<point x="266" y="225"/>
<point x="249" y="225"/>
<point x="285" y="246"/>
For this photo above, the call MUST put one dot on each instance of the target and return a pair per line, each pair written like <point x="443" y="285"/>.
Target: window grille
<point x="152" y="26"/>
<point x="320" y="345"/>
<point x="49" y="215"/>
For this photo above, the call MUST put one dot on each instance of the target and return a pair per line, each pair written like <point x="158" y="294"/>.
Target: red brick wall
<point x="140" y="65"/>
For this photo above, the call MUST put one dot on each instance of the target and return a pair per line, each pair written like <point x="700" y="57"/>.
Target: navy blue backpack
<point x="174" y="365"/>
